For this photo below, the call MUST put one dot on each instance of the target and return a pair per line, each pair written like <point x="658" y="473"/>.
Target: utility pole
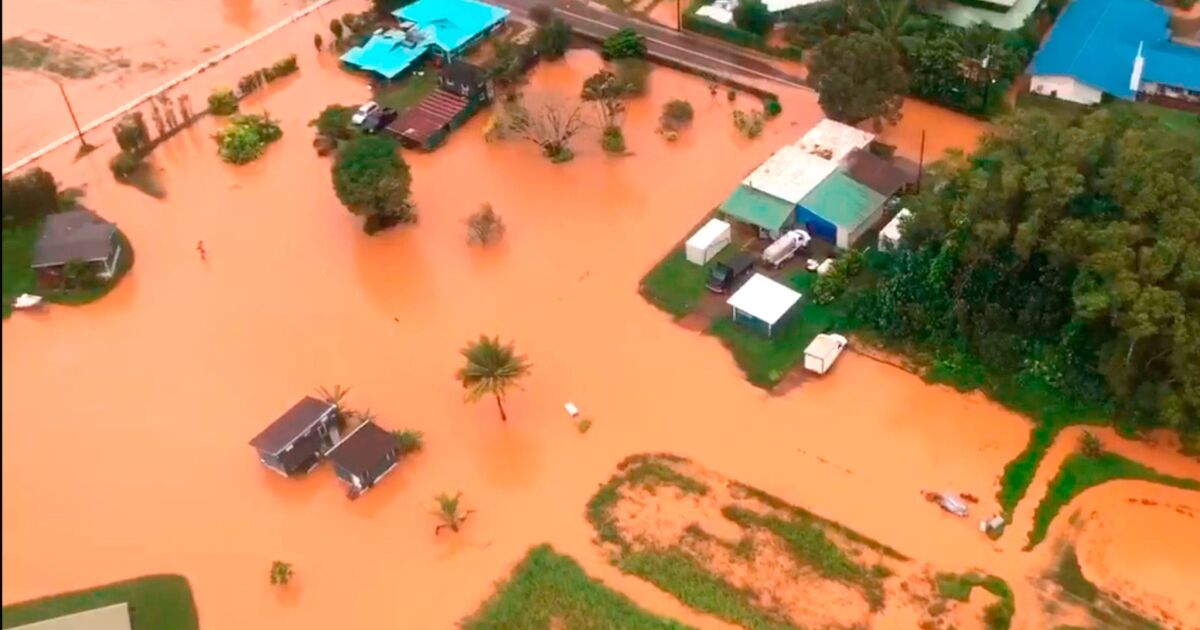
<point x="921" y="162"/>
<point x="83" y="144"/>
<point x="679" y="16"/>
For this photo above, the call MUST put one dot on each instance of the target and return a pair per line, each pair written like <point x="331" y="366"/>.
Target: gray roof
<point x="78" y="234"/>
<point x="291" y="425"/>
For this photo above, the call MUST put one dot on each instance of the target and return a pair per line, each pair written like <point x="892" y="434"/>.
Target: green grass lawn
<point x="1078" y="473"/>
<point x="18" y="278"/>
<point x="1184" y="124"/>
<point x="997" y="616"/>
<point x="549" y="590"/>
<point x="408" y="91"/>
<point x="676" y="285"/>
<point x="156" y="602"/>
<point x="765" y="360"/>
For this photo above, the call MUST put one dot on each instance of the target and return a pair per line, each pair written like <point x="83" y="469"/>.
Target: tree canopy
<point x="624" y="44"/>
<point x="552" y="38"/>
<point x="372" y="180"/>
<point x="1066" y="252"/>
<point x="753" y="16"/>
<point x="859" y="77"/>
<point x="29" y="196"/>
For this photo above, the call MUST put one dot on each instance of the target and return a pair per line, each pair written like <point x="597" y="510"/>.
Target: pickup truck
<point x="722" y="276"/>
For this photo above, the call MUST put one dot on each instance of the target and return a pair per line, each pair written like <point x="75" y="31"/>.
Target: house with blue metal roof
<point x="445" y="28"/>
<point x="1118" y="47"/>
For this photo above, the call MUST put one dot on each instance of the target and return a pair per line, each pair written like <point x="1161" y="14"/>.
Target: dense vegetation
<point x="1058" y="268"/>
<point x="155" y="602"/>
<point x="246" y="138"/>
<point x="372" y="180"/>
<point x="548" y="590"/>
<point x="997" y="616"/>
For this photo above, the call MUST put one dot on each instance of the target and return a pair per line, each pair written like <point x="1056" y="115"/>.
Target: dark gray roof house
<point x="364" y="456"/>
<point x="875" y="172"/>
<point x="78" y="234"/>
<point x="297" y="440"/>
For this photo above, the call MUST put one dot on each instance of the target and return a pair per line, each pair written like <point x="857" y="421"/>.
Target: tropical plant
<point x="859" y="77"/>
<point x="409" y="441"/>
<point x="372" y="180"/>
<point x="1090" y="445"/>
<point x="222" y="103"/>
<point x="492" y="368"/>
<point x="624" y="44"/>
<point x="753" y="16"/>
<point x="333" y="395"/>
<point x="484" y="226"/>
<point x="246" y="138"/>
<point x="772" y="108"/>
<point x="281" y="573"/>
<point x="552" y="38"/>
<point x="750" y="125"/>
<point x="450" y="512"/>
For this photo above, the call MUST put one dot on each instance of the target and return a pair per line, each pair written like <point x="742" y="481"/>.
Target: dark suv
<point x="722" y="276"/>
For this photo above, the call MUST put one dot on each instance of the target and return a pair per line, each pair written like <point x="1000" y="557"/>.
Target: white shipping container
<point x="824" y="350"/>
<point x="708" y="241"/>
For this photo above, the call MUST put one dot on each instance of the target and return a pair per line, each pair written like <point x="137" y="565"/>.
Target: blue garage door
<point x="815" y="225"/>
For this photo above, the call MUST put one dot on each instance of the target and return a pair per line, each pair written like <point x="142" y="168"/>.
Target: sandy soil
<point x="126" y="421"/>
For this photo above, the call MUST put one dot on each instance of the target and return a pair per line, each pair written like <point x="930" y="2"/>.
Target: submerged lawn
<point x="1078" y="473"/>
<point x="409" y="91"/>
<point x="549" y="590"/>
<point x="156" y="602"/>
<point x="958" y="587"/>
<point x="18" y="278"/>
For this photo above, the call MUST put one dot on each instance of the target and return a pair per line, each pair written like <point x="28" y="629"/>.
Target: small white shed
<point x="762" y="302"/>
<point x="889" y="236"/>
<point x="822" y="352"/>
<point x="708" y="241"/>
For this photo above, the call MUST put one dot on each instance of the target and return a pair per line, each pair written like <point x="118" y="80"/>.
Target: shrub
<point x="484" y="226"/>
<point x="334" y="122"/>
<point x="676" y="115"/>
<point x="613" y="139"/>
<point x="131" y="132"/>
<point x="1090" y="445"/>
<point x="281" y="573"/>
<point x="284" y="67"/>
<point x="552" y="38"/>
<point x="29" y="196"/>
<point x="249" y="83"/>
<point x="245" y="139"/>
<point x="751" y="125"/>
<point x="409" y="441"/>
<point x="222" y="103"/>
<point x="124" y="164"/>
<point x="624" y="44"/>
<point x="670" y="135"/>
<point x="336" y="28"/>
<point x="772" y="108"/>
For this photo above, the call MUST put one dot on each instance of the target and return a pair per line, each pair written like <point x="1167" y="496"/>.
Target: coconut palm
<point x="333" y="396"/>
<point x="281" y="573"/>
<point x="492" y="367"/>
<point x="447" y="509"/>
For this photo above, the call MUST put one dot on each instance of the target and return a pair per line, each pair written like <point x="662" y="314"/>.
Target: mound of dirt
<point x="59" y="56"/>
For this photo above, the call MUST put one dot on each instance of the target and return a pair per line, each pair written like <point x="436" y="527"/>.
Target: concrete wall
<point x="1065" y="88"/>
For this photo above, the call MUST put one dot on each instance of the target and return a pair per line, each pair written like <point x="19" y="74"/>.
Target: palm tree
<point x="447" y="510"/>
<point x="281" y="572"/>
<point x="894" y="20"/>
<point x="492" y="367"/>
<point x="333" y="396"/>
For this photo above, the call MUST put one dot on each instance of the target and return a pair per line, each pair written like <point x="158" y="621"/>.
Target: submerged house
<point x="462" y="91"/>
<point x="364" y="456"/>
<point x="78" y="235"/>
<point x="1122" y="48"/>
<point x="442" y="29"/>
<point x="296" y="441"/>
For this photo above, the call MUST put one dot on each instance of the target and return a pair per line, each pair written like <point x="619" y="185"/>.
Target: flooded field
<point x="126" y="421"/>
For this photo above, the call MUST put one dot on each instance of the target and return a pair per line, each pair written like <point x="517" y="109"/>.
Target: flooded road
<point x="126" y="421"/>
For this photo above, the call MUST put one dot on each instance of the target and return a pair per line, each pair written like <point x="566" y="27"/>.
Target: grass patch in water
<point x="155" y="602"/>
<point x="548" y="588"/>
<point x="997" y="616"/>
<point x="409" y="91"/>
<point x="1078" y="473"/>
<point x="18" y="277"/>
<point x="1102" y="608"/>
<point x="640" y="470"/>
<point x="676" y="285"/>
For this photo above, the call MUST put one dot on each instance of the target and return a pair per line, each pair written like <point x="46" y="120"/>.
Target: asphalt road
<point x="711" y="55"/>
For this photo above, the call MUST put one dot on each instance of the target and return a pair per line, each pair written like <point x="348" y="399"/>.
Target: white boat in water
<point x="26" y="300"/>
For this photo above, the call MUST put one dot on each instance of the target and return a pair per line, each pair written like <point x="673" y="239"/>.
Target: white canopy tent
<point x="763" y="300"/>
<point x="708" y="241"/>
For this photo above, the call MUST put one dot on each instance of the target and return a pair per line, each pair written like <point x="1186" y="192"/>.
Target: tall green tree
<point x="859" y="77"/>
<point x="372" y="181"/>
<point x="29" y="196"/>
<point x="492" y="368"/>
<point x="753" y="16"/>
<point x="552" y="38"/>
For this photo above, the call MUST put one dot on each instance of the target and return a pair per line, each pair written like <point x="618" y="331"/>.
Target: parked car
<point x="379" y="119"/>
<point x="361" y="114"/>
<point x="722" y="276"/>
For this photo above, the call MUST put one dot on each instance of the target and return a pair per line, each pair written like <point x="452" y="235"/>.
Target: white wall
<point x="1065" y="88"/>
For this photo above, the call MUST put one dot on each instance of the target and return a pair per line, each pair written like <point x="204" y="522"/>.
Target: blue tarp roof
<point x="1095" y="41"/>
<point x="1172" y="64"/>
<point x="387" y="54"/>
<point x="450" y="24"/>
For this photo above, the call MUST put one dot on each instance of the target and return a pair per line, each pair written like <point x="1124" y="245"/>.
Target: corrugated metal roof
<point x="1172" y="64"/>
<point x="1096" y="41"/>
<point x="842" y="201"/>
<point x="421" y="121"/>
<point x="78" y="234"/>
<point x="450" y="24"/>
<point x="757" y="208"/>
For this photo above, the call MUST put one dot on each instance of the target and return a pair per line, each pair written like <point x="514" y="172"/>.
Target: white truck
<point x="785" y="247"/>
<point x="820" y="355"/>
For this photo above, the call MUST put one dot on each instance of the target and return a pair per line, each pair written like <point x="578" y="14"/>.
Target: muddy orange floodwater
<point x="126" y="421"/>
